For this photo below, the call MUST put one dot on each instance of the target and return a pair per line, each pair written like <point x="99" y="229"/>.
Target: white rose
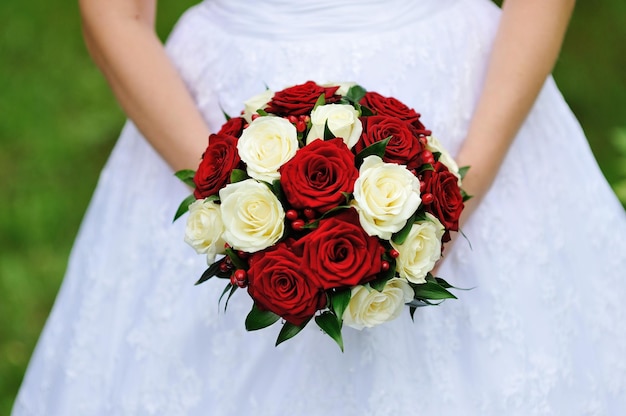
<point x="253" y="217"/>
<point x="434" y="145"/>
<point x="420" y="251"/>
<point x="344" y="87"/>
<point x="204" y="229"/>
<point x="343" y="121"/>
<point x="385" y="195"/>
<point x="265" y="145"/>
<point x="369" y="307"/>
<point x="258" y="102"/>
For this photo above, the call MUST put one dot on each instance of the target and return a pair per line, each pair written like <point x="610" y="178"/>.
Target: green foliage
<point x="329" y="323"/>
<point x="258" y="319"/>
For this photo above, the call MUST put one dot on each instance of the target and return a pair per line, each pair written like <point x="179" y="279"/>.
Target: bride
<point x="542" y="331"/>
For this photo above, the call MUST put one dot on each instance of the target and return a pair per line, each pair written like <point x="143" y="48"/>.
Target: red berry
<point x="428" y="198"/>
<point x="292" y="119"/>
<point x="422" y="186"/>
<point x="309" y="213"/>
<point x="297" y="224"/>
<point x="241" y="278"/>
<point x="384" y="265"/>
<point x="300" y="126"/>
<point x="427" y="157"/>
<point x="233" y="281"/>
<point x="255" y="116"/>
<point x="242" y="254"/>
<point x="224" y="267"/>
<point x="423" y="140"/>
<point x="291" y="214"/>
<point x="305" y="118"/>
<point x="393" y="253"/>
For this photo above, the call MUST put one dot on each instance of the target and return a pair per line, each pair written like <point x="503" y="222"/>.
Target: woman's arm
<point x="121" y="40"/>
<point x="525" y="49"/>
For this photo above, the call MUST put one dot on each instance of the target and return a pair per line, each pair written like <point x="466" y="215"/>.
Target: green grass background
<point x="58" y="122"/>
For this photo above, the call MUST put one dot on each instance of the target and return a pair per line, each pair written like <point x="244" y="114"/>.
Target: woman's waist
<point x="290" y="18"/>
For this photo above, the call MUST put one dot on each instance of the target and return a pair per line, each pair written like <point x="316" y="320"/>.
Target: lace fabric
<point x="540" y="333"/>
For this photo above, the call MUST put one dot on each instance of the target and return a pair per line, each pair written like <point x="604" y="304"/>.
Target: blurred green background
<point x="58" y="122"/>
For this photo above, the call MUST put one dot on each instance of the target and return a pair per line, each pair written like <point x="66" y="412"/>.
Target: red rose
<point x="389" y="106"/>
<point x="233" y="127"/>
<point x="277" y="283"/>
<point x="300" y="99"/>
<point x="340" y="253"/>
<point x="447" y="204"/>
<point x="318" y="174"/>
<point x="218" y="162"/>
<point x="404" y="148"/>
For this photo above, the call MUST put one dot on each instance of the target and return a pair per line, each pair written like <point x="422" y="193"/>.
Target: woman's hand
<point x="120" y="37"/>
<point x="525" y="49"/>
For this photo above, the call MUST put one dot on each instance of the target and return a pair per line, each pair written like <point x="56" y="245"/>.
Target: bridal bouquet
<point x="327" y="202"/>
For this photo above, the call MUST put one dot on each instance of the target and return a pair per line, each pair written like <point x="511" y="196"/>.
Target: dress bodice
<point x="278" y="18"/>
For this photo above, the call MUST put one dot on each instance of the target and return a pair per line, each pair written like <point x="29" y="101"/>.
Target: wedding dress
<point x="541" y="332"/>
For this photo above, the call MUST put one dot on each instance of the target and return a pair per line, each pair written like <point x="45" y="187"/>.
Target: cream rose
<point x="265" y="145"/>
<point x="343" y="121"/>
<point x="258" y="102"/>
<point x="344" y="87"/>
<point x="369" y="307"/>
<point x="253" y="217"/>
<point x="420" y="251"/>
<point x="385" y="195"/>
<point x="204" y="229"/>
<point x="434" y="146"/>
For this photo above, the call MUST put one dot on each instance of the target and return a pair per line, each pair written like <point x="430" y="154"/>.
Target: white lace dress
<point x="541" y="333"/>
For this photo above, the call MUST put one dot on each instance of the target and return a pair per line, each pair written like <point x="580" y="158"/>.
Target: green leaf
<point x="261" y="112"/>
<point x="229" y="288"/>
<point x="426" y="167"/>
<point x="441" y="282"/>
<point x="412" y="312"/>
<point x="431" y="290"/>
<point x="321" y="100"/>
<point x="277" y="190"/>
<point x="184" y="207"/>
<point x="258" y="319"/>
<point x="365" y="111"/>
<point x="462" y="171"/>
<point x="226" y="116"/>
<point x="210" y="272"/>
<point x="380" y="282"/>
<point x="355" y="93"/>
<point x="289" y="331"/>
<point x="420" y="303"/>
<point x="328" y="135"/>
<point x="238" y="175"/>
<point x="237" y="262"/>
<point x="327" y="321"/>
<point x="230" y="294"/>
<point x="374" y="149"/>
<point x="333" y="210"/>
<point x="339" y="301"/>
<point x="466" y="196"/>
<point x="186" y="175"/>
<point x="400" y="237"/>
